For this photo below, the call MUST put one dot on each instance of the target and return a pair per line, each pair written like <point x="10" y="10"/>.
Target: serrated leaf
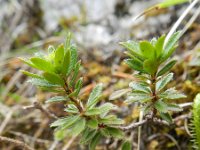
<point x="133" y="48"/>
<point x="42" y="83"/>
<point x="95" y="141"/>
<point x="94" y="96"/>
<point x="174" y="107"/>
<point x="66" y="62"/>
<point x="167" y="67"/>
<point x="163" y="81"/>
<point x="167" y="117"/>
<point x="148" y="51"/>
<point x="138" y="97"/>
<point x="126" y="145"/>
<point x="87" y="135"/>
<point x="53" y="78"/>
<point x="114" y="132"/>
<point x="56" y="99"/>
<point x="28" y="62"/>
<point x="42" y="64"/>
<point x="171" y="94"/>
<point x="93" y="111"/>
<point x="135" y="64"/>
<point x="31" y="74"/>
<point x="92" y="123"/>
<point x="75" y="73"/>
<point x="78" y="86"/>
<point x="111" y="120"/>
<point x="73" y="59"/>
<point x="161" y="106"/>
<point x="118" y="94"/>
<point x="159" y="46"/>
<point x="139" y="87"/>
<point x="170" y="46"/>
<point x="65" y="122"/>
<point x="78" y="127"/>
<point x="105" y="108"/>
<point x="72" y="109"/>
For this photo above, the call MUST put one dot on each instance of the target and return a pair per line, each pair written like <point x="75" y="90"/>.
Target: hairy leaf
<point x="57" y="99"/>
<point x="167" y="67"/>
<point x="42" y="64"/>
<point x="164" y="81"/>
<point x="118" y="94"/>
<point x="53" y="78"/>
<point x="65" y="122"/>
<point x="139" y="87"/>
<point x="94" y="96"/>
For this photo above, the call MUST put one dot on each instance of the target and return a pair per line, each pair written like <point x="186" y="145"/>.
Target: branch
<point x="37" y="105"/>
<point x="134" y="125"/>
<point x="15" y="142"/>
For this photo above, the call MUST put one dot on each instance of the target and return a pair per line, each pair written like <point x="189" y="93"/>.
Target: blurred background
<point x="97" y="26"/>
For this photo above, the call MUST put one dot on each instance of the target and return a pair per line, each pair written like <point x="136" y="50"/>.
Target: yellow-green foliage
<point x="196" y="122"/>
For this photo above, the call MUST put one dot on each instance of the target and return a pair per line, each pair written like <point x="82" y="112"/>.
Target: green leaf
<point x="42" y="64"/>
<point x="111" y="120"/>
<point x="167" y="117"/>
<point x="66" y="62"/>
<point x="106" y="107"/>
<point x="68" y="41"/>
<point x="148" y="51"/>
<point x="75" y="73"/>
<point x="167" y="67"/>
<point x="65" y="122"/>
<point x="174" y="107"/>
<point x="171" y="94"/>
<point x="87" y="135"/>
<point x="78" y="86"/>
<point x="53" y="78"/>
<point x="163" y="81"/>
<point x="114" y="132"/>
<point x="95" y="141"/>
<point x="161" y="106"/>
<point x="94" y="96"/>
<point x="31" y="74"/>
<point x="118" y="94"/>
<point x="138" y="97"/>
<point x="28" y="62"/>
<point x="42" y="83"/>
<point x="150" y="66"/>
<point x="92" y="123"/>
<point x="168" y="3"/>
<point x="133" y="48"/>
<point x="72" y="109"/>
<point x="60" y="134"/>
<point x="59" y="54"/>
<point x="73" y="59"/>
<point x="159" y="46"/>
<point x="57" y="99"/>
<point x="78" y="127"/>
<point x="93" y="111"/>
<point x="170" y="46"/>
<point x="126" y="145"/>
<point x="139" y="87"/>
<point x="135" y="64"/>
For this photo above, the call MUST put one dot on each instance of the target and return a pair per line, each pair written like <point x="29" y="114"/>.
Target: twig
<point x="37" y="105"/>
<point x="66" y="147"/>
<point x="15" y="142"/>
<point x="6" y="120"/>
<point x="134" y="125"/>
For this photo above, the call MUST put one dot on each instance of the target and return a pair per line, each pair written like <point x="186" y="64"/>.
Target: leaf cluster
<point x="150" y="59"/>
<point x="59" y="72"/>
